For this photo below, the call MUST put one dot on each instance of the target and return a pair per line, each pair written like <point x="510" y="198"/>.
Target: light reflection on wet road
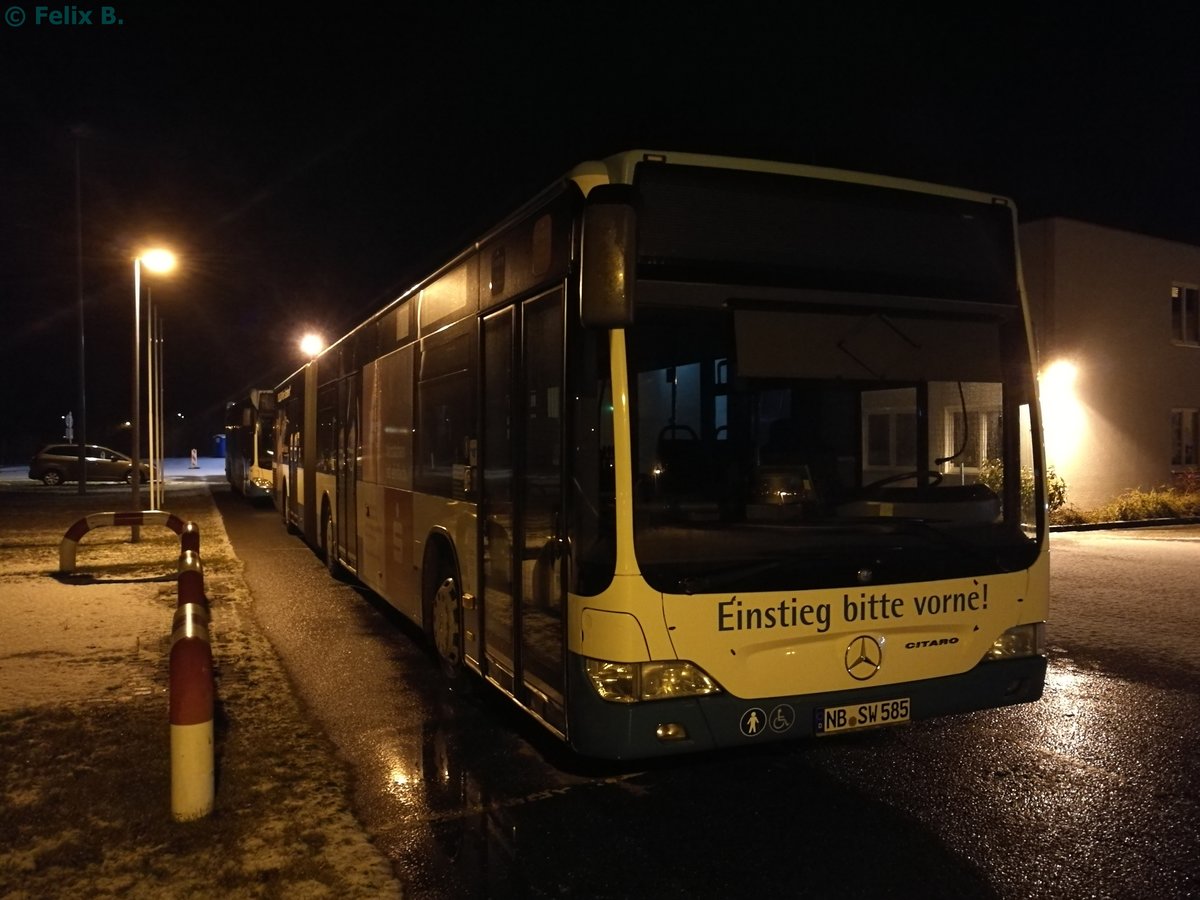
<point x="1093" y="791"/>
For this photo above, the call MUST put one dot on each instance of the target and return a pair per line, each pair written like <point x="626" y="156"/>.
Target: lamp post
<point x="81" y="431"/>
<point x="158" y="261"/>
<point x="154" y="398"/>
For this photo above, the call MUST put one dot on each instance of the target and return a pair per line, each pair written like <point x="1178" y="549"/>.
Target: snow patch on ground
<point x="85" y="735"/>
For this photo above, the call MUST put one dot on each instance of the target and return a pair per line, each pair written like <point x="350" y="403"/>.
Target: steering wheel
<point x="673" y="429"/>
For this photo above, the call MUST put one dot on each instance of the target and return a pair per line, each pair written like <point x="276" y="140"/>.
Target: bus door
<point x="524" y="607"/>
<point x="295" y="497"/>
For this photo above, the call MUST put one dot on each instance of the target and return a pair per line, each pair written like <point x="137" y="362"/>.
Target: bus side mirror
<point x="609" y="257"/>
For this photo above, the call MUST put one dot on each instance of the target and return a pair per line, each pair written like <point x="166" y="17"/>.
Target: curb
<point x="1122" y="524"/>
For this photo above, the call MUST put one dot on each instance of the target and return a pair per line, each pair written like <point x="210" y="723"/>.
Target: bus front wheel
<point x="445" y="619"/>
<point x="329" y="542"/>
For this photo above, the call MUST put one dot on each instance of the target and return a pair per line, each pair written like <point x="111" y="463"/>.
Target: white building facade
<point x="1117" y="318"/>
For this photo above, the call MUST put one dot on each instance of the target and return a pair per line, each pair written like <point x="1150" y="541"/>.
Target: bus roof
<point x="619" y="169"/>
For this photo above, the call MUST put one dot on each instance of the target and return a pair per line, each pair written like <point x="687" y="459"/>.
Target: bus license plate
<point x="834" y="719"/>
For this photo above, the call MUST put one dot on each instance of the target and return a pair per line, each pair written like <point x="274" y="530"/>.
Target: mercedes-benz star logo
<point x="864" y="656"/>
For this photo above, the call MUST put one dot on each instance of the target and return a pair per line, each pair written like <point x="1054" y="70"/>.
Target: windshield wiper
<point x="883" y="558"/>
<point x="705" y="584"/>
<point x="926" y="528"/>
<point x="962" y="447"/>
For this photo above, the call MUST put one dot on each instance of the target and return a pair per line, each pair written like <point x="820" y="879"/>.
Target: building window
<point x="1185" y="314"/>
<point x="971" y="440"/>
<point x="1185" y="428"/>
<point x="891" y="439"/>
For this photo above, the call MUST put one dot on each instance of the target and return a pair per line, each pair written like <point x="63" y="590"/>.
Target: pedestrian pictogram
<point x="754" y="720"/>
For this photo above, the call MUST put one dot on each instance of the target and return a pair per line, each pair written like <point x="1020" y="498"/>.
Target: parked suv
<point x="57" y="463"/>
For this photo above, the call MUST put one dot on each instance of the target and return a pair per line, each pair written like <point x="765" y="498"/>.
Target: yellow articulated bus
<point x="694" y="452"/>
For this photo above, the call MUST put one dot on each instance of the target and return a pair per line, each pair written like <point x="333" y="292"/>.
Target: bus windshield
<point x="807" y="447"/>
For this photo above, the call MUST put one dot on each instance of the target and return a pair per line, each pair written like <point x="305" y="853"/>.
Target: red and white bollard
<point x="70" y="542"/>
<point x="191" y="693"/>
<point x="191" y="581"/>
<point x="189" y="538"/>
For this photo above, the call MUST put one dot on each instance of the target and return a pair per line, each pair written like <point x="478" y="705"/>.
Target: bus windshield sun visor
<point x="822" y="345"/>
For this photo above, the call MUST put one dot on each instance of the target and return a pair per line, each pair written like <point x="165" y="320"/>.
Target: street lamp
<point x="312" y="344"/>
<point x="158" y="261"/>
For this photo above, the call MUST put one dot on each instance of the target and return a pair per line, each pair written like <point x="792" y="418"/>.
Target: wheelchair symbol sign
<point x="756" y="720"/>
<point x="782" y="718"/>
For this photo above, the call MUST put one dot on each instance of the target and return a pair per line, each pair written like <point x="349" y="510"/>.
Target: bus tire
<point x="285" y="507"/>
<point x="329" y="547"/>
<point x="443" y="604"/>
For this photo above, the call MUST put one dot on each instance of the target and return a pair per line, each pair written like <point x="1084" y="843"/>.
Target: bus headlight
<point x="1024" y="640"/>
<point x="659" y="680"/>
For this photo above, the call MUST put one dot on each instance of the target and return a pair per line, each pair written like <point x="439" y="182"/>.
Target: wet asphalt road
<point x="1092" y="792"/>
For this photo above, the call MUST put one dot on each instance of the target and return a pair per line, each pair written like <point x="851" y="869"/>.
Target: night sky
<point x="309" y="166"/>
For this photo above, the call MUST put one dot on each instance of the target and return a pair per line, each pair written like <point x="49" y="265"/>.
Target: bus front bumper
<point x="606" y="730"/>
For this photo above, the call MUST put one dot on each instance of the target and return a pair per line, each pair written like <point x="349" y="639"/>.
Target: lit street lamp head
<point x="158" y="260"/>
<point x="312" y="344"/>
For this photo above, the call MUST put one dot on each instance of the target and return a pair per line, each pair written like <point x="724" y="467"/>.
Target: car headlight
<point x="657" y="680"/>
<point x="1024" y="640"/>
